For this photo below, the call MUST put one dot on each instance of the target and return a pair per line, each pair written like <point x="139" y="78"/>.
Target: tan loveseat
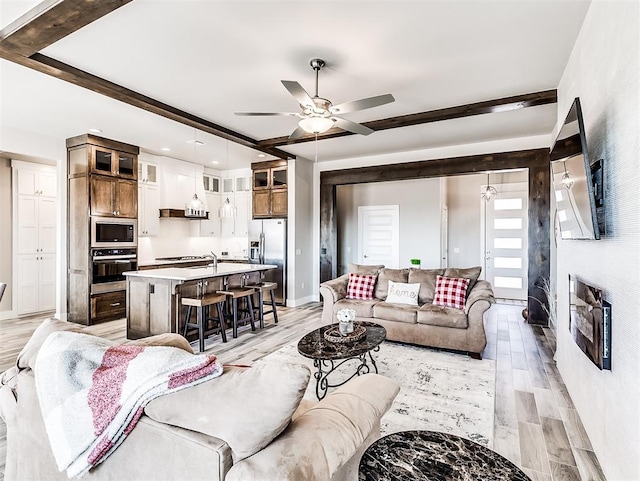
<point x="252" y="409"/>
<point x="424" y="324"/>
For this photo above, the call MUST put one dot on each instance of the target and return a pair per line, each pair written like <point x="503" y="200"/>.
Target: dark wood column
<point x="539" y="240"/>
<point x="535" y="160"/>
<point x="328" y="232"/>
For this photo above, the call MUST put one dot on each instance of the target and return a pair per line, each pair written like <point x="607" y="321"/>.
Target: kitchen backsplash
<point x="175" y="239"/>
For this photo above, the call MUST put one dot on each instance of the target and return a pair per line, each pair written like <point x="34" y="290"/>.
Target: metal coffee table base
<point x="326" y="366"/>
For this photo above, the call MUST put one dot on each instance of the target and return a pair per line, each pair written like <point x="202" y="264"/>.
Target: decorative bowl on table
<point x="347" y="330"/>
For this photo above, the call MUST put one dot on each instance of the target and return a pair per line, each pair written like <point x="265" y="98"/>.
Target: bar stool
<point x="232" y="295"/>
<point x="202" y="305"/>
<point x="260" y="289"/>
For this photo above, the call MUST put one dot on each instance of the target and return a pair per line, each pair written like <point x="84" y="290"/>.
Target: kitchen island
<point x="154" y="295"/>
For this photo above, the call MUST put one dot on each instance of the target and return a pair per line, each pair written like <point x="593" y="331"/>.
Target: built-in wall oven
<point x="108" y="268"/>
<point x="113" y="232"/>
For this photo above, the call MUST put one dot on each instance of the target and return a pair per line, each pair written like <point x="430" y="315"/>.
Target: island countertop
<point x="186" y="274"/>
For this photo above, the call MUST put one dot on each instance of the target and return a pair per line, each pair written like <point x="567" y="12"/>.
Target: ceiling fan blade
<point x="298" y="92"/>
<point x="362" y="104"/>
<point x="296" y="134"/>
<point x="350" y="126"/>
<point x="265" y="114"/>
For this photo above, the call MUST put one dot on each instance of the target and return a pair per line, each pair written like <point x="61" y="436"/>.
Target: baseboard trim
<point x="4" y="315"/>
<point x="302" y="301"/>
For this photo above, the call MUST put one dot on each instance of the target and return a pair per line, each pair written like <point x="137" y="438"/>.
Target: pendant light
<point x="567" y="178"/>
<point x="195" y="207"/>
<point x="227" y="209"/>
<point x="489" y="191"/>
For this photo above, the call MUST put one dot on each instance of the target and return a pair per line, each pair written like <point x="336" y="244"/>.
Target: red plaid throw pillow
<point x="360" y="287"/>
<point x="450" y="292"/>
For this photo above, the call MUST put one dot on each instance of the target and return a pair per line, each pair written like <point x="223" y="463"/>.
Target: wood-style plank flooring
<point x="535" y="423"/>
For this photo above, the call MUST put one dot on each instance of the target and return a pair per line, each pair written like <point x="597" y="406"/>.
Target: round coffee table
<point x="328" y="356"/>
<point x="430" y="455"/>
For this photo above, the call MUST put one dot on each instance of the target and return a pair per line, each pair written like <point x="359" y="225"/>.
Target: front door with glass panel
<point x="505" y="241"/>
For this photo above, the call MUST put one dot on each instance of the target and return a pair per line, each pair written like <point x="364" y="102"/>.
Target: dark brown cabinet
<point x="101" y="182"/>
<point x="269" y="189"/>
<point x="113" y="162"/>
<point x="107" y="306"/>
<point x="113" y="197"/>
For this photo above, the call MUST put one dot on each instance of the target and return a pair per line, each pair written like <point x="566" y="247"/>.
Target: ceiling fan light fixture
<point x="316" y="125"/>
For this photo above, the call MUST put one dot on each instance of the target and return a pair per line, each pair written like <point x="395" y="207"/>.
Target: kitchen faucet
<point x="214" y="258"/>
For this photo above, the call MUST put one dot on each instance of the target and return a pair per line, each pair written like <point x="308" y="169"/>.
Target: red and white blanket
<point x="93" y="392"/>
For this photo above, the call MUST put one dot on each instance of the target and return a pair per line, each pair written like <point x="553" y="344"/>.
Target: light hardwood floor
<point x="535" y="423"/>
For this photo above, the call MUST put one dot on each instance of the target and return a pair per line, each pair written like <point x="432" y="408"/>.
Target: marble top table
<point x="434" y="456"/>
<point x="328" y="356"/>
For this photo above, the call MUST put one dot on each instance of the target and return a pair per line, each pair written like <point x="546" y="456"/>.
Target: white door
<point x="378" y="235"/>
<point x="506" y="241"/>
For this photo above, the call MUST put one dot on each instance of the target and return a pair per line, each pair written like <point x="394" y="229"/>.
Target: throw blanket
<point x="92" y="392"/>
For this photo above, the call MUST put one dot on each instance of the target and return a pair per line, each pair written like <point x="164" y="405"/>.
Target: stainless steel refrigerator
<point x="268" y="245"/>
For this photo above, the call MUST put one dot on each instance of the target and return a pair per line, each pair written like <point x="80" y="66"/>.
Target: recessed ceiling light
<point x="262" y="156"/>
<point x="215" y="162"/>
<point x="197" y="142"/>
<point x="166" y="149"/>
<point x="95" y="131"/>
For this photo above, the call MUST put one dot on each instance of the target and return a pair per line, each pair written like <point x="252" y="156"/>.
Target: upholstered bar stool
<point x="202" y="305"/>
<point x="260" y="289"/>
<point x="233" y="295"/>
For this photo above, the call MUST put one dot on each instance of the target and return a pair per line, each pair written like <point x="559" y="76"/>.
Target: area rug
<point x="439" y="390"/>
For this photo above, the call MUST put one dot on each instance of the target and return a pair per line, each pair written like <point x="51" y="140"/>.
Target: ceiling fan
<point x="318" y="114"/>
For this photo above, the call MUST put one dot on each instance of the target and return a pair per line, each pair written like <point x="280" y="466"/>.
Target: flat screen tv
<point x="590" y="322"/>
<point x="572" y="180"/>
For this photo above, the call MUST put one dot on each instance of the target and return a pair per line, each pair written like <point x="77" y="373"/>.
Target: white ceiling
<point x="213" y="58"/>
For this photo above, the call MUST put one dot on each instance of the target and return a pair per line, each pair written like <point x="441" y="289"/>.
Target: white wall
<point x="300" y="236"/>
<point x="604" y="72"/>
<point x="419" y="228"/>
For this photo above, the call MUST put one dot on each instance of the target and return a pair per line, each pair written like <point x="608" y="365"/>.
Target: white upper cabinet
<point x="147" y="172"/>
<point x="148" y="210"/>
<point x="211" y="183"/>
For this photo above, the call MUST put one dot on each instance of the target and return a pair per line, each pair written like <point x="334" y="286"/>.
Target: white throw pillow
<point x="401" y="293"/>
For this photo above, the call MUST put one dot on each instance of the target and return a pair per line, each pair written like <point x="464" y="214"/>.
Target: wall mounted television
<point x="571" y="175"/>
<point x="590" y="322"/>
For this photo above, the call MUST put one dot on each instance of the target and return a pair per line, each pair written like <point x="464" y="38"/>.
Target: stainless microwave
<point x="114" y="232"/>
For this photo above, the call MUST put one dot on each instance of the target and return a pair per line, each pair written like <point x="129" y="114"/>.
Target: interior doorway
<point x="379" y="235"/>
<point x="505" y="240"/>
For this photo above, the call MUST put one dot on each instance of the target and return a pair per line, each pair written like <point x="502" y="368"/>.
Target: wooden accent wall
<point x="535" y="160"/>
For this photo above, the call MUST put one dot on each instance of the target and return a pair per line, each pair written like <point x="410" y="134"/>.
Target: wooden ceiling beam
<point x="490" y="106"/>
<point x="68" y="73"/>
<point x="52" y="20"/>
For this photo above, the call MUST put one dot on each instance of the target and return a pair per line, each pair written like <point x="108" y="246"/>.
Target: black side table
<point x="328" y="356"/>
<point x="434" y="456"/>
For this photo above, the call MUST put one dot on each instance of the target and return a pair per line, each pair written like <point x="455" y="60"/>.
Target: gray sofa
<point x="174" y="438"/>
<point x="425" y="324"/>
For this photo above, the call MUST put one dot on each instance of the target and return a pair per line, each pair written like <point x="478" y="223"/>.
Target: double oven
<point x="114" y="245"/>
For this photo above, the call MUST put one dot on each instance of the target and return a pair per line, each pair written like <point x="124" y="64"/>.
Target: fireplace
<point x="590" y="321"/>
